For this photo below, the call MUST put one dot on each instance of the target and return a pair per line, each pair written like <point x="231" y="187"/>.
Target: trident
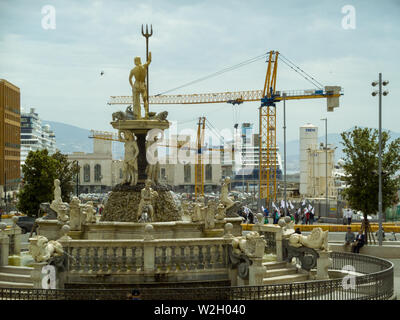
<point x="147" y="35"/>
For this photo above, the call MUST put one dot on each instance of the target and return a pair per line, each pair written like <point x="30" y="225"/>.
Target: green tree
<point x="361" y="148"/>
<point x="39" y="173"/>
<point x="40" y="170"/>
<point x="65" y="172"/>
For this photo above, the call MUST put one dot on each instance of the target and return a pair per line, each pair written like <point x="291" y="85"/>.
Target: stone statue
<point x="224" y="198"/>
<point x="90" y="212"/>
<point x="130" y="167"/>
<point x="252" y="245"/>
<point x="127" y="115"/>
<point x="41" y="249"/>
<point x="139" y="87"/>
<point x="221" y="212"/>
<point x="287" y="226"/>
<point x="317" y="239"/>
<point x="75" y="214"/>
<point x="197" y="213"/>
<point x="152" y="166"/>
<point x="58" y="205"/>
<point x="210" y="213"/>
<point x="146" y="196"/>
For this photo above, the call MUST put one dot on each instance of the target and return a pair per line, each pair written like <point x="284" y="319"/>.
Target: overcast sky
<point x="58" y="70"/>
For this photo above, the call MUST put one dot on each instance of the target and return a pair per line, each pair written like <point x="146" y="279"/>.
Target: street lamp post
<point x="380" y="83"/>
<point x="284" y="151"/>
<point x="326" y="165"/>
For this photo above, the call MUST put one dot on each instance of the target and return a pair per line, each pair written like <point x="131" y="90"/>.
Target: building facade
<point x="9" y="137"/>
<point x="313" y="164"/>
<point x="34" y="135"/>
<point x="99" y="172"/>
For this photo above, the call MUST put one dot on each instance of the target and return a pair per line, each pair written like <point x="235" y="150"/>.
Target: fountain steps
<point x="15" y="277"/>
<point x="282" y="272"/>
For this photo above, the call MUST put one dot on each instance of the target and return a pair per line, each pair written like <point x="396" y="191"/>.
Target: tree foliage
<point x="361" y="148"/>
<point x="40" y="170"/>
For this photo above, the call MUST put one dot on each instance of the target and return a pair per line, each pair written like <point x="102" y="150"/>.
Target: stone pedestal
<point x="256" y="272"/>
<point x="4" y="244"/>
<point x="36" y="274"/>
<point x="323" y="264"/>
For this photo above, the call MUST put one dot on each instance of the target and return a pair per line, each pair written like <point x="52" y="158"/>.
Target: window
<point x="208" y="172"/>
<point x="163" y="175"/>
<point x="97" y="173"/>
<point x="86" y="173"/>
<point x="187" y="173"/>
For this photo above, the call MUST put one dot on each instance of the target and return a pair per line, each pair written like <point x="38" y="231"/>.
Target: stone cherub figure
<point x="90" y="212"/>
<point x="139" y="87"/>
<point x="41" y="249"/>
<point x="147" y="194"/>
<point x="130" y="166"/>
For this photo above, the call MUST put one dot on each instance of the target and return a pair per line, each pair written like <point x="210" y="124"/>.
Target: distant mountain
<point x="71" y="139"/>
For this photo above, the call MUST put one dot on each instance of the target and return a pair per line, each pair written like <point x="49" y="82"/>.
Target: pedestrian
<point x="250" y="216"/>
<point x="349" y="238"/>
<point x="359" y="242"/>
<point x="297" y="216"/>
<point x="312" y="216"/>
<point x="265" y="211"/>
<point x="307" y="216"/>
<point x="349" y="216"/>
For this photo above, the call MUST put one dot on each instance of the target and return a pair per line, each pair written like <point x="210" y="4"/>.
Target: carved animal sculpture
<point x="119" y="115"/>
<point x="162" y="116"/>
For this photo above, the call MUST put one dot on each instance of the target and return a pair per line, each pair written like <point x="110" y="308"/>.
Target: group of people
<point x="355" y="241"/>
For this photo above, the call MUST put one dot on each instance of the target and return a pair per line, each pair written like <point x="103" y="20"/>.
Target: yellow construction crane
<point x="267" y="112"/>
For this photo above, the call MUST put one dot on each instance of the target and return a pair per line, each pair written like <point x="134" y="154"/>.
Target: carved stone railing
<point x="155" y="260"/>
<point x="273" y="237"/>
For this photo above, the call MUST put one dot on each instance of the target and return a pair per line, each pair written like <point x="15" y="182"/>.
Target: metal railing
<point x="376" y="283"/>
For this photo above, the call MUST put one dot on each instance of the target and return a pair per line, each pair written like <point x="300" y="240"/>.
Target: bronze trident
<point x="147" y="35"/>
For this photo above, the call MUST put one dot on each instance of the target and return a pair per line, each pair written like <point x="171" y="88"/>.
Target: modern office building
<point x="34" y="135"/>
<point x="9" y="137"/>
<point x="313" y="164"/>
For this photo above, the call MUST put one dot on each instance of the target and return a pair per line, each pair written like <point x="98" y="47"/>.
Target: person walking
<point x="349" y="216"/>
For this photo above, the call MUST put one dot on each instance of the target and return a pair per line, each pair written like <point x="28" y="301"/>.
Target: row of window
<point x="97" y="173"/>
<point x="187" y="172"/>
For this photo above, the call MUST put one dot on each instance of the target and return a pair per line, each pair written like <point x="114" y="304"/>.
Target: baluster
<point x="173" y="259"/>
<point x="142" y="259"/>
<point x="114" y="260"/>
<point x="123" y="260"/>
<point x="133" y="266"/>
<point x="217" y="256"/>
<point x="104" y="260"/>
<point x="86" y="259"/>
<point x="163" y="258"/>
<point x="95" y="267"/>
<point x="201" y="257"/>
<point x="77" y="260"/>
<point x="208" y="264"/>
<point x="224" y="252"/>
<point x="182" y="263"/>
<point x="192" y="259"/>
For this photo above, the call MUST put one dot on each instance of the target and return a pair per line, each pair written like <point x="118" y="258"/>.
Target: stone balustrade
<point x="151" y="259"/>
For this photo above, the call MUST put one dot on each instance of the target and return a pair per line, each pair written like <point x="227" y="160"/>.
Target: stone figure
<point x="90" y="212"/>
<point x="58" y="205"/>
<point x="139" y="87"/>
<point x="317" y="239"/>
<point x="221" y="214"/>
<point x="210" y="213"/>
<point x="127" y="115"/>
<point x="41" y="249"/>
<point x="287" y="226"/>
<point x="147" y="194"/>
<point x="161" y="116"/>
<point x="224" y="198"/>
<point x="75" y="214"/>
<point x="57" y="191"/>
<point x="152" y="159"/>
<point x="197" y="214"/>
<point x="130" y="166"/>
<point x="252" y="245"/>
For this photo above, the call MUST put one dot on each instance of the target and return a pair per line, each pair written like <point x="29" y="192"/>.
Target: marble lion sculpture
<point x="41" y="249"/>
<point x="317" y="239"/>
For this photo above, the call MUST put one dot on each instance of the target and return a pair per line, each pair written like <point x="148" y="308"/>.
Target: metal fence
<point x="376" y="283"/>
